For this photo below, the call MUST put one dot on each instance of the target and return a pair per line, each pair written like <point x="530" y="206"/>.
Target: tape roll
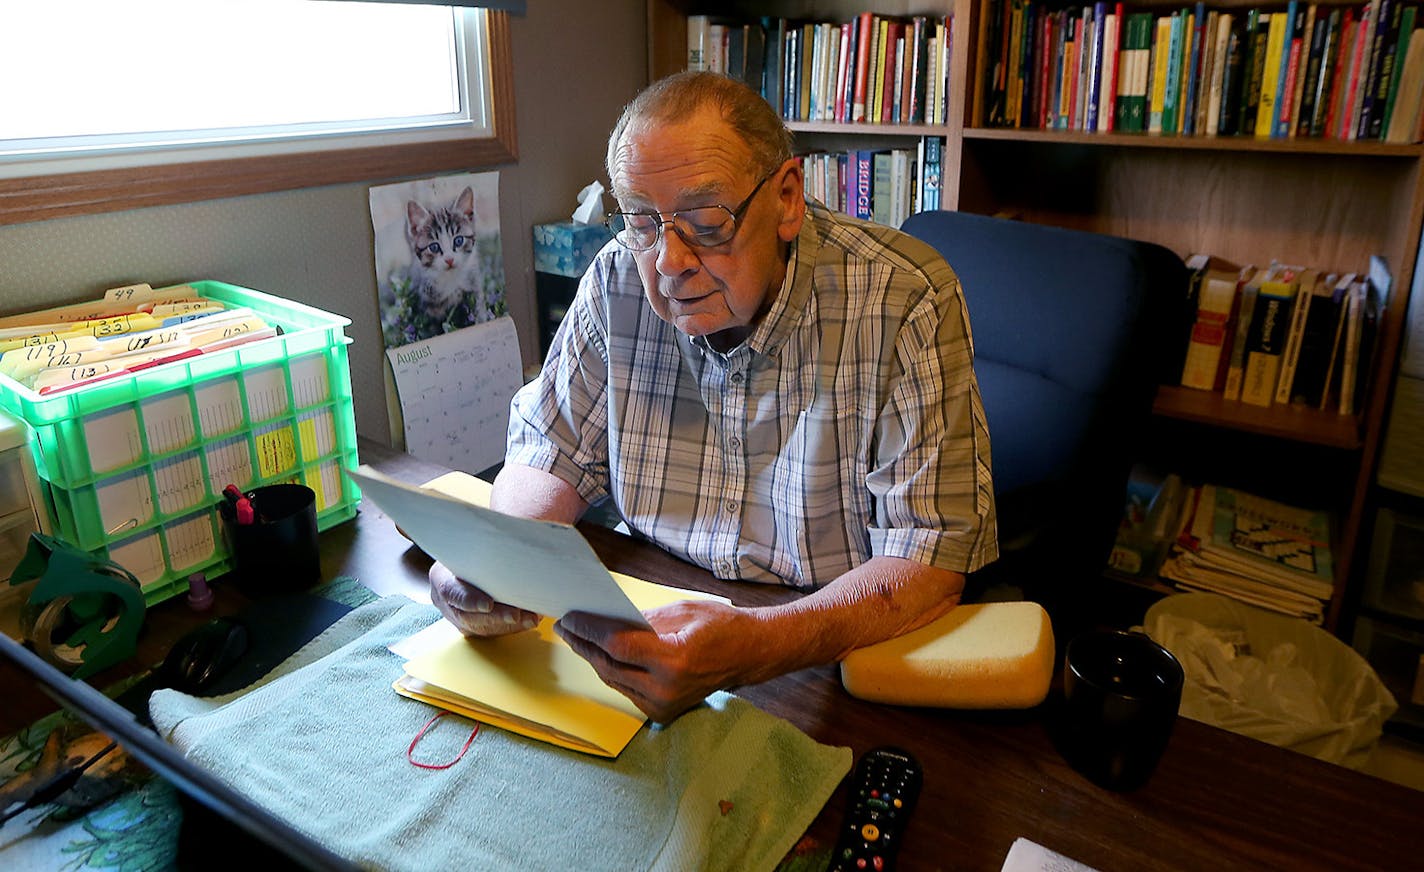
<point x="91" y="626"/>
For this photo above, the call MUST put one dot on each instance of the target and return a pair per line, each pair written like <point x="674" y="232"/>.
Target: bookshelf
<point x="1321" y="202"/>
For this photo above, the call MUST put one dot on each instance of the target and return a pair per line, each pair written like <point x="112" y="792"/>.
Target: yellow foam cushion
<point x="979" y="656"/>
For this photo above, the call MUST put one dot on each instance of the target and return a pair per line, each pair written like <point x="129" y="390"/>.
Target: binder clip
<point x="84" y="613"/>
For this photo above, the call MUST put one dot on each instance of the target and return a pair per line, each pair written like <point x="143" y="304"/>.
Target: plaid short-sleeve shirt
<point x="847" y="425"/>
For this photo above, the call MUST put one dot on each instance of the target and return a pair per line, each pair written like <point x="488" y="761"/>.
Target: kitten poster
<point x="439" y="264"/>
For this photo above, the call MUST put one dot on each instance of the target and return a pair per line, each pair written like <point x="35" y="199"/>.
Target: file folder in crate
<point x="132" y="468"/>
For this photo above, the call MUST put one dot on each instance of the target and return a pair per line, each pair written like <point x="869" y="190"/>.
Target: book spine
<point x="1401" y="53"/>
<point x="1359" y="71"/>
<point x="697" y="42"/>
<point x="1290" y="71"/>
<point x="1386" y="13"/>
<point x="1388" y="59"/>
<point x="1232" y="77"/>
<point x="1291" y="356"/>
<point x="1221" y="46"/>
<point x="1266" y="343"/>
<point x="1192" y="75"/>
<point x="862" y="65"/>
<point x="1298" y="70"/>
<point x="1313" y="77"/>
<point x="1270" y="75"/>
<point x="1236" y="364"/>
<point x="864" y="178"/>
<point x="1112" y="52"/>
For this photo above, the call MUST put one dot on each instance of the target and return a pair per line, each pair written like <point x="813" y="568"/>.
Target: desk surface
<point x="1218" y="801"/>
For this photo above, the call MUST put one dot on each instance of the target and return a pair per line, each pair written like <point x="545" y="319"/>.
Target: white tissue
<point x="590" y="209"/>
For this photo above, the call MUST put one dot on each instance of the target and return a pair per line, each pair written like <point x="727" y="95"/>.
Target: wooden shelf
<point x="1311" y="426"/>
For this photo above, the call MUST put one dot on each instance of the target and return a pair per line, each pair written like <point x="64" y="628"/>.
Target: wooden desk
<point x="1217" y="801"/>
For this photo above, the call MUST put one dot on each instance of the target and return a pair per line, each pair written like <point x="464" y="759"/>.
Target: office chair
<point x="1071" y="332"/>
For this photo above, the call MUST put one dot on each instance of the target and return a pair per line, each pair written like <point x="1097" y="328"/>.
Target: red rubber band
<point x="423" y="730"/>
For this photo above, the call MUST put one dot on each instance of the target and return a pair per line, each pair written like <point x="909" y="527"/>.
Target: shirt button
<point x="734" y="443"/>
<point x="731" y="506"/>
<point x="736" y="378"/>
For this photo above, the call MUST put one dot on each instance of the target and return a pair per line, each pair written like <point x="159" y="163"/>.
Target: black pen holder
<point x="278" y="550"/>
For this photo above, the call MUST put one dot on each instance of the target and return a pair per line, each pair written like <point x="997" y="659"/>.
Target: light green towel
<point x="322" y="743"/>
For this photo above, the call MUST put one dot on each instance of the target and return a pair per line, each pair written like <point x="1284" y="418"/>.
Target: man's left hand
<point x="695" y="647"/>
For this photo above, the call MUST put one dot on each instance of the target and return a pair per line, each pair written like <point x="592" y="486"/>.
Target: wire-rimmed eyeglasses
<point x="703" y="227"/>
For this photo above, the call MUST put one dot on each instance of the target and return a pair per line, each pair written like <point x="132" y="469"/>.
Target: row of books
<point x="130" y="328"/>
<point x="1283" y="334"/>
<point x="1307" y="70"/>
<point x="885" y="186"/>
<point x="872" y="69"/>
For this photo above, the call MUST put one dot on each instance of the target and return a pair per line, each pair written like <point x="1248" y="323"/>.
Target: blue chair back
<point x="1070" y="336"/>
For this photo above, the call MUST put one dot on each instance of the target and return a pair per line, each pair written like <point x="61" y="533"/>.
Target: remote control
<point x="883" y="790"/>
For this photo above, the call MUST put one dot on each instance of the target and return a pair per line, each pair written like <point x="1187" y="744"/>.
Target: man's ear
<point x="791" y="196"/>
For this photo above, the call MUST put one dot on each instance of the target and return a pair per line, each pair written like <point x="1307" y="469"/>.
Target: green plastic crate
<point x="133" y="468"/>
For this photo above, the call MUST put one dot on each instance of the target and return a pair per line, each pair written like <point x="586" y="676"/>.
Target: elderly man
<point x="772" y="391"/>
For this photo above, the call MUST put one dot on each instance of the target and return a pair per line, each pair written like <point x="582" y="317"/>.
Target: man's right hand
<point x="471" y="610"/>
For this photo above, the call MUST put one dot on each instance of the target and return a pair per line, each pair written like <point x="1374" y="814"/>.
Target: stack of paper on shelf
<point x="1254" y="550"/>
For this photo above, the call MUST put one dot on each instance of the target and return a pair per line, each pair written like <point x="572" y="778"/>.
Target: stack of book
<point x="1281" y="334"/>
<point x="874" y="69"/>
<point x="1255" y="550"/>
<point x="1347" y="72"/>
<point x="881" y="185"/>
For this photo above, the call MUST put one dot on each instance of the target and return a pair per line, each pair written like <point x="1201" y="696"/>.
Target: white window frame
<point x="56" y="186"/>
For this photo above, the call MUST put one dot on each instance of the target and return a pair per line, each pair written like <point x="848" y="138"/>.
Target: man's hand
<point x="472" y="610"/>
<point x="695" y="647"/>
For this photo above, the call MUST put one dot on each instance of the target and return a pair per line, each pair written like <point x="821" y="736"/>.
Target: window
<point x="163" y="101"/>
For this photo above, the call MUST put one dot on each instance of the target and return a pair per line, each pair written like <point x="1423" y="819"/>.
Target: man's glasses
<point x="702" y="227"/>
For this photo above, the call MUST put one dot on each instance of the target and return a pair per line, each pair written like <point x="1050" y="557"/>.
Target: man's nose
<point x="675" y="256"/>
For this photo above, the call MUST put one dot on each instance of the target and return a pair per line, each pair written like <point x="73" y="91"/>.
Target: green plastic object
<point x="132" y="469"/>
<point x="84" y="613"/>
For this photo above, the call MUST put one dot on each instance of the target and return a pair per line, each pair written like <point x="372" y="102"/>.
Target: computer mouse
<point x="203" y="655"/>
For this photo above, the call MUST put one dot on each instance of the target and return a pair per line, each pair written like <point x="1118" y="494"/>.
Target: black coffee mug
<point x="278" y="551"/>
<point x="1121" y="693"/>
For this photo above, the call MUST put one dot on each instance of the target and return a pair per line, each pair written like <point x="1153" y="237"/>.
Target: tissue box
<point x="566" y="248"/>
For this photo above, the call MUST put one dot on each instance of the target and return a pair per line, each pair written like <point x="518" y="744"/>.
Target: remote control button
<point x="870" y="832"/>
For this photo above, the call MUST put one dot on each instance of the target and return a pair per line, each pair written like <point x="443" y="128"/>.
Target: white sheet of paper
<point x="455" y="391"/>
<point x="541" y="566"/>
<point x="1029" y="856"/>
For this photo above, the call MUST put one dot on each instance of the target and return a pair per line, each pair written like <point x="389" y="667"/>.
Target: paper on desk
<point x="541" y="566"/>
<point x="1028" y="856"/>
<point x="529" y="683"/>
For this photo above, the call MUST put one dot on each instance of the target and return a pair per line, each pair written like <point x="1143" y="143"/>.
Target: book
<point x="1300" y="310"/>
<point x="1272" y="71"/>
<point x="1404" y="119"/>
<point x="1246" y="308"/>
<point x="1401" y="50"/>
<point x="697" y="26"/>
<point x="1266" y="342"/>
<point x="1316" y="343"/>
<point x="865" y="27"/>
<point x="1313" y="77"/>
<point x="1112" y="52"/>
<point x="1161" y="61"/>
<point x="1228" y="121"/>
<point x="1341" y="300"/>
<point x="1217" y="280"/>
<point x="1366" y="308"/>
<point x="1253" y="69"/>
<point x="1383" y="43"/>
<point x="1297" y="16"/>
<point x="1269" y="541"/>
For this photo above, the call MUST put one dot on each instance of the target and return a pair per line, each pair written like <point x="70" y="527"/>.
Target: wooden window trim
<point x="39" y="198"/>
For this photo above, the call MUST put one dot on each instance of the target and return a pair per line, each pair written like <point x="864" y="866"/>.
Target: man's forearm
<point x="534" y="493"/>
<point x="882" y="598"/>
